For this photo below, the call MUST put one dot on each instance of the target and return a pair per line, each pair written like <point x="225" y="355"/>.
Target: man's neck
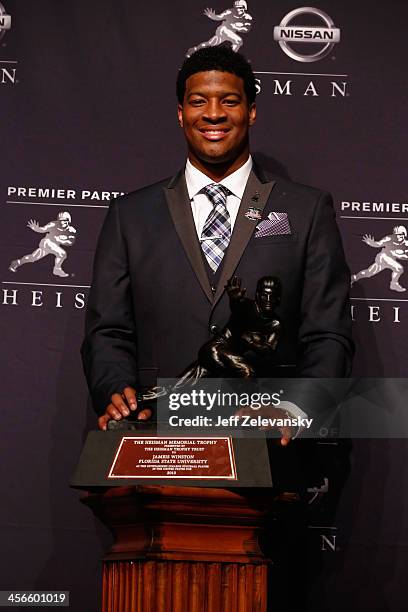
<point x="218" y="172"/>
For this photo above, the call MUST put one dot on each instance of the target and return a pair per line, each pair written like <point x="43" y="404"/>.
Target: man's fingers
<point x="286" y="435"/>
<point x="113" y="412"/>
<point x="145" y="414"/>
<point x="103" y="421"/>
<point x="130" y="396"/>
<point x="118" y="407"/>
<point x="118" y="402"/>
<point x="268" y="412"/>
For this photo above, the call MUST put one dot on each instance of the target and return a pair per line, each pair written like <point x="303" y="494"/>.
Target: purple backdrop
<point x="88" y="110"/>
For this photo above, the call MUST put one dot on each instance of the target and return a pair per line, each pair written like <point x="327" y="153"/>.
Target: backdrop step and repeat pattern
<point x="88" y="111"/>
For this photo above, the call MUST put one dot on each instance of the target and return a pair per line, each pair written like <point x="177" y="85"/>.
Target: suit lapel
<point x="180" y="210"/>
<point x="256" y="195"/>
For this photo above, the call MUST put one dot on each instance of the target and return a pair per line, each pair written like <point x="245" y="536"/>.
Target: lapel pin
<point x="253" y="214"/>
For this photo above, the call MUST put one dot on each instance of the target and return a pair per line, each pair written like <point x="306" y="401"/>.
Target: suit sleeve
<point x="109" y="352"/>
<point x="325" y="343"/>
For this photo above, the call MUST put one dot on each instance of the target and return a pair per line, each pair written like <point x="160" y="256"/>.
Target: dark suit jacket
<point x="151" y="305"/>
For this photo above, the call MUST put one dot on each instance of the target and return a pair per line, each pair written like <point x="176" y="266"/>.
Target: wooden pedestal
<point x="183" y="549"/>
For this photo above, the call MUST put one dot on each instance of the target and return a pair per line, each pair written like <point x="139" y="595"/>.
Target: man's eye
<point x="231" y="102"/>
<point x="196" y="102"/>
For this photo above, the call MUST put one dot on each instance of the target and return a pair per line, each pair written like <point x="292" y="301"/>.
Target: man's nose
<point x="214" y="111"/>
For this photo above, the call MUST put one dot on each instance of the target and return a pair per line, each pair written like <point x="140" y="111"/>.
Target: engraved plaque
<point x="198" y="458"/>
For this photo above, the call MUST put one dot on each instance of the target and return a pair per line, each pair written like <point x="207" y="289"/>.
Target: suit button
<point x="213" y="289"/>
<point x="214" y="329"/>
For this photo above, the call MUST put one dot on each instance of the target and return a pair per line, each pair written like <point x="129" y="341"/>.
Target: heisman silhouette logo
<point x="234" y="22"/>
<point x="5" y="21"/>
<point x="394" y="249"/>
<point x="59" y="235"/>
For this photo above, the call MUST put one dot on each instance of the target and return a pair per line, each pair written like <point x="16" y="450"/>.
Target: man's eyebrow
<point x="223" y="94"/>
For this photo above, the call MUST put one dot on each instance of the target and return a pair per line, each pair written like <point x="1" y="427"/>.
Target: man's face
<point x="215" y="117"/>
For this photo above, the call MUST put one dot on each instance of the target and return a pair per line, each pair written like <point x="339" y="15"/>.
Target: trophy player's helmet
<point x="64" y="216"/>
<point x="241" y="4"/>
<point x="400" y="229"/>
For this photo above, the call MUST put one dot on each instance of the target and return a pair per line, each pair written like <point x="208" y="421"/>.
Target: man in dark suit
<point x="166" y="252"/>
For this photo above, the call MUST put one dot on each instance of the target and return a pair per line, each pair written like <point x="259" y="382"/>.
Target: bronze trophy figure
<point x="252" y="332"/>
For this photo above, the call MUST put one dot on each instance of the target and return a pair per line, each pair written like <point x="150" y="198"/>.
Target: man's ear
<point x="180" y="114"/>
<point x="252" y="113"/>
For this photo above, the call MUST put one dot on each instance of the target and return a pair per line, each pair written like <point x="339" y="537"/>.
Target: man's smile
<point x="214" y="133"/>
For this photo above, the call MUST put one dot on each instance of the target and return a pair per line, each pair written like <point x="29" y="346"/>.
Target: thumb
<point x="103" y="422"/>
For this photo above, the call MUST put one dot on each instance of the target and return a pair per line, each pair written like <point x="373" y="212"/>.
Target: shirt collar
<point x="235" y="182"/>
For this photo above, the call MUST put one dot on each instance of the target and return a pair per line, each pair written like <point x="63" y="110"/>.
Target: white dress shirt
<point x="201" y="205"/>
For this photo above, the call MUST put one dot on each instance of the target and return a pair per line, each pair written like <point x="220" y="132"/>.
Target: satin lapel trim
<point x="243" y="228"/>
<point x="180" y="210"/>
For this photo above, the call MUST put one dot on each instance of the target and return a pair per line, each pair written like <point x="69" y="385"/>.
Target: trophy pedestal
<point x="179" y="549"/>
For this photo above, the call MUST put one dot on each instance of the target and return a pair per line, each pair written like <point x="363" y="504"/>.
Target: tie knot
<point x="216" y="193"/>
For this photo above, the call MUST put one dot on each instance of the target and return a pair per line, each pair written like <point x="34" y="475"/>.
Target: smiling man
<point x="166" y="252"/>
<point x="215" y="114"/>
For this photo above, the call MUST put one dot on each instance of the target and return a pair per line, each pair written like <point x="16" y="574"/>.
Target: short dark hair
<point x="220" y="58"/>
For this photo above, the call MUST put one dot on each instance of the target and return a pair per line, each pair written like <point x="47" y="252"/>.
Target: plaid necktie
<point x="216" y="232"/>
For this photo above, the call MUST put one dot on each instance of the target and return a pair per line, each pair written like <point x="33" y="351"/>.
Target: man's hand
<point x="120" y="407"/>
<point x="270" y="412"/>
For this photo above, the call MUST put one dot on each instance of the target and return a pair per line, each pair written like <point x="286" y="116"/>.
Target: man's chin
<point x="217" y="158"/>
